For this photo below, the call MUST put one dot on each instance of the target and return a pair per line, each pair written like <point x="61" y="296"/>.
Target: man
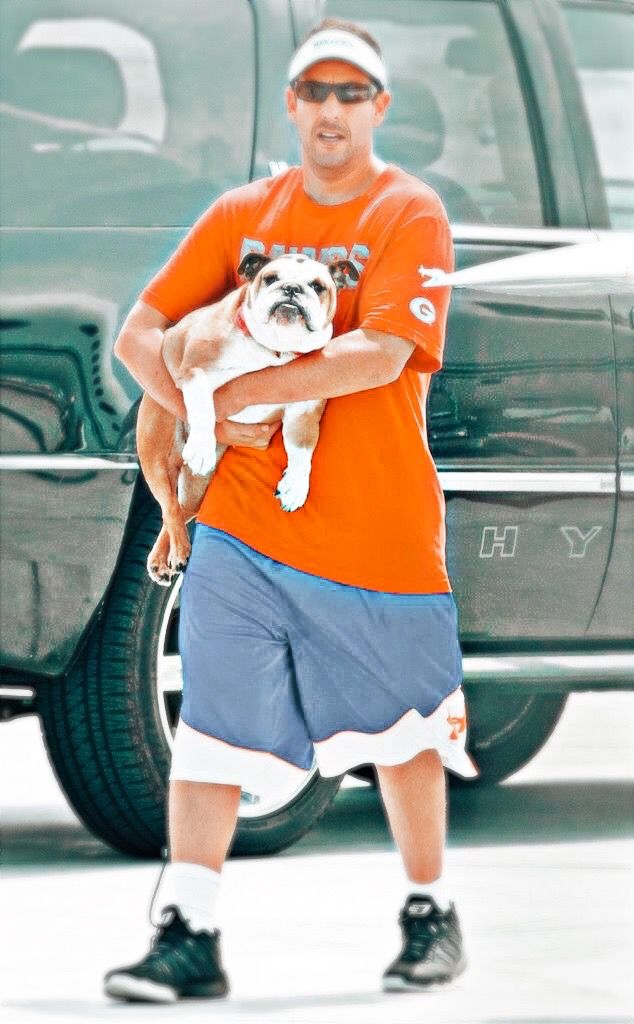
<point x="330" y="631"/>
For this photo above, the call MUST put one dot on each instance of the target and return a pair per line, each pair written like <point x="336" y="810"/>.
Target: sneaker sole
<point x="397" y="983"/>
<point x="138" y="990"/>
<point x="141" y="990"/>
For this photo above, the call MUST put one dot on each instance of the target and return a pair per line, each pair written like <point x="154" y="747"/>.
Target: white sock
<point x="194" y="889"/>
<point x="436" y="889"/>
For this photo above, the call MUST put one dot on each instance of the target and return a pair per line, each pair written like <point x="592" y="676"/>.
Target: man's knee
<point x="428" y="761"/>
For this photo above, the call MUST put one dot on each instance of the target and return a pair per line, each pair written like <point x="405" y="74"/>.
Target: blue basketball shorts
<point x="283" y="669"/>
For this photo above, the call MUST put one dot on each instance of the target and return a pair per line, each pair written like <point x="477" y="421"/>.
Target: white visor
<point x="334" y="44"/>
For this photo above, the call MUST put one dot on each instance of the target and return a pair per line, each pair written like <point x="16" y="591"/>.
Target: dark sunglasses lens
<point x="312" y="92"/>
<point x="353" y="92"/>
<point x="346" y="92"/>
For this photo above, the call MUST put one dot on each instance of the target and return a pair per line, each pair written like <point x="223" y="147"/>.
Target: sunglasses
<point x="346" y="92"/>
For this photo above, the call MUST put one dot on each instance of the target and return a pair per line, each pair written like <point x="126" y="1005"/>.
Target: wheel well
<point x="141" y="497"/>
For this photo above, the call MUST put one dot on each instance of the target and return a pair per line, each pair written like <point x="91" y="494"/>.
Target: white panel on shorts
<point x="197" y="757"/>
<point x="445" y="730"/>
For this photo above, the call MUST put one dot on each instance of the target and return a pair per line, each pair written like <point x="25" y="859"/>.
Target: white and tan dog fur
<point x="284" y="310"/>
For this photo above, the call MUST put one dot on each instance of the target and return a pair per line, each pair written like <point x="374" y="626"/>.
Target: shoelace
<point x="166" y="937"/>
<point x="421" y="935"/>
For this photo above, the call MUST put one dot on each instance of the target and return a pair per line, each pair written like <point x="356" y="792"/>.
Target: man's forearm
<point x="349" y="363"/>
<point x="140" y="352"/>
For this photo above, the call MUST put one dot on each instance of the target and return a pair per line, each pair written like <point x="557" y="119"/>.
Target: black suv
<point x="120" y="124"/>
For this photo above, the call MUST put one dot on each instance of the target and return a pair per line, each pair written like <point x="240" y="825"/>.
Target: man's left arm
<point x="356" y="361"/>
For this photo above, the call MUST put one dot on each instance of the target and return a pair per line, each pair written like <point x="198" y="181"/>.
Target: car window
<point x="123" y="115"/>
<point x="602" y="39"/>
<point x="458" y="119"/>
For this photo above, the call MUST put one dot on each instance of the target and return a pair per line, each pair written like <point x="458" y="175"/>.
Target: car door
<point x="522" y="418"/>
<point x="601" y="39"/>
<point x="118" y="130"/>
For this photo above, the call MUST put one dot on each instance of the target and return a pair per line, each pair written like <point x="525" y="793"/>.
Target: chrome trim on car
<point x="32" y="463"/>
<point x="627" y="480"/>
<point x="601" y="670"/>
<point x="528" y="481"/>
<point x="491" y="235"/>
<point x="16" y="692"/>
<point x="520" y="481"/>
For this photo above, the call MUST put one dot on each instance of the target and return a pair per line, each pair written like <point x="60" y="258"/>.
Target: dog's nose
<point x="291" y="289"/>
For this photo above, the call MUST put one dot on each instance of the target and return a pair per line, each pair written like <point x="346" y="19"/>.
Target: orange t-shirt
<point x="375" y="512"/>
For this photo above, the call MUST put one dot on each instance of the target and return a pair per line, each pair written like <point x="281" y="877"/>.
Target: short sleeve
<point x="393" y="300"/>
<point x="198" y="272"/>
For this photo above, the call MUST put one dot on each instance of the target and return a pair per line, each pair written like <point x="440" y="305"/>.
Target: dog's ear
<point x="343" y="271"/>
<point x="252" y="264"/>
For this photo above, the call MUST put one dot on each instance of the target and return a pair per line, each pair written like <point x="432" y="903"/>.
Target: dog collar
<point x="241" y="323"/>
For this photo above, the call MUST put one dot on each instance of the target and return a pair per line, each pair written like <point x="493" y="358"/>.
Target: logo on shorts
<point x="423" y="310"/>
<point x="458" y="725"/>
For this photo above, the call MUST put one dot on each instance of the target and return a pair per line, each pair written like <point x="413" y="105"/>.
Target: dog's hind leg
<point x="173" y="548"/>
<point x="158" y="560"/>
<point x="192" y="488"/>
<point x="161" y="460"/>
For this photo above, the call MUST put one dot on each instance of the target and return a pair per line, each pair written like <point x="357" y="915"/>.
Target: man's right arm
<point x="138" y="346"/>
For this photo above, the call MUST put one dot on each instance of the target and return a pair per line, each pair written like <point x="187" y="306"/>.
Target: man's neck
<point x="332" y="185"/>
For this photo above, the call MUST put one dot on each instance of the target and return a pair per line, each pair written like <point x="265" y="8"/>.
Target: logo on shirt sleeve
<point x="423" y="310"/>
<point x="435" y="274"/>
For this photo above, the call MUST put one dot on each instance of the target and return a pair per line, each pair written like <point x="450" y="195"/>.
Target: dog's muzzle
<point x="290" y="312"/>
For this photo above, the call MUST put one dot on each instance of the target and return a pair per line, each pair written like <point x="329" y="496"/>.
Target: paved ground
<point x="541" y="869"/>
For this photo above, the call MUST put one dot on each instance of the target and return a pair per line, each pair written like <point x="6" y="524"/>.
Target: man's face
<point x="334" y="134"/>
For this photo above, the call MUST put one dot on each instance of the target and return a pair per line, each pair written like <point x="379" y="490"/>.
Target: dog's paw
<point x="157" y="567"/>
<point x="179" y="555"/>
<point x="292" y="489"/>
<point x="200" y="454"/>
<point x="160" y="573"/>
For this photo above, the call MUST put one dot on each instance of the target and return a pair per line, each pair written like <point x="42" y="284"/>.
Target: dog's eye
<point x="318" y="287"/>
<point x="270" y="278"/>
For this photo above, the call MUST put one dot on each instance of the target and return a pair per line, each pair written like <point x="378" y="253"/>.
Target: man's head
<point x="335" y="128"/>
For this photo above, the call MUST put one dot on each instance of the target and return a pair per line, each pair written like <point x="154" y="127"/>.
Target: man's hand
<point x="246" y="435"/>
<point x="229" y="399"/>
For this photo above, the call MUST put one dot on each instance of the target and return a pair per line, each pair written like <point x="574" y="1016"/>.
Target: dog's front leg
<point x="300" y="430"/>
<point x="201" y="451"/>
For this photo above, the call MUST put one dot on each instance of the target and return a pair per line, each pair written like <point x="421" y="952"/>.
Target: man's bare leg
<point x="202" y="821"/>
<point x="414" y="797"/>
<point x="415" y="800"/>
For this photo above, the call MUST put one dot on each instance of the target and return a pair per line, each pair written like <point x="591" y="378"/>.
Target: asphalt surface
<point x="541" y="869"/>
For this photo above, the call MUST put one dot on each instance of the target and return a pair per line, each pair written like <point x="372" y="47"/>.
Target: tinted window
<point x="117" y="114"/>
<point x="603" y="45"/>
<point x="458" y="119"/>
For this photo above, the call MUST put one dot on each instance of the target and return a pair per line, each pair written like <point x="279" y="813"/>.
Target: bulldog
<point x="284" y="309"/>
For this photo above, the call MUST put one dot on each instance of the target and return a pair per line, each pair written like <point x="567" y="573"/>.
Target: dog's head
<point x="291" y="300"/>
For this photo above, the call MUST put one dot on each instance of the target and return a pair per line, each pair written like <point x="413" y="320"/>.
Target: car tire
<point x="506" y="728"/>
<point x="106" y="724"/>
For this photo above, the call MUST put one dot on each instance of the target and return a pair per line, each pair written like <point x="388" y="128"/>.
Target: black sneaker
<point x="180" y="964"/>
<point x="432" y="952"/>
